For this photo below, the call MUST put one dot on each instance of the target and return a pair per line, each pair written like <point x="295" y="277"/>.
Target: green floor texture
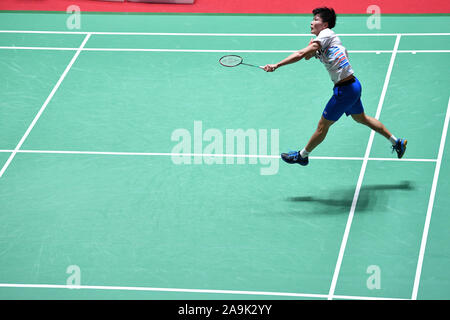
<point x="94" y="183"/>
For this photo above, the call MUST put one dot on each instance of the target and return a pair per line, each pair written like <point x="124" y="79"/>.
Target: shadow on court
<point x="340" y="201"/>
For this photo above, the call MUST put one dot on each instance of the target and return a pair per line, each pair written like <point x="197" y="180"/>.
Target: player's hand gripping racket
<point x="234" y="61"/>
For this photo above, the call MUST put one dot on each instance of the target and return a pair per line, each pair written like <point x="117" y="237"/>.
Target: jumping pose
<point x="347" y="89"/>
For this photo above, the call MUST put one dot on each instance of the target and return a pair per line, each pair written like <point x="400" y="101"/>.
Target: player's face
<point x="318" y="25"/>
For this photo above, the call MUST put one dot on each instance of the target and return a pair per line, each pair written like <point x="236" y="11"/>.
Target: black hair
<point x="327" y="15"/>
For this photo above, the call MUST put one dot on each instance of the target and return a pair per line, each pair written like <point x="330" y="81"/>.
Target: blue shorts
<point x="345" y="99"/>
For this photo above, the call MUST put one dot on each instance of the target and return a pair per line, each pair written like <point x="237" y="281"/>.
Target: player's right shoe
<point x="294" y="157"/>
<point x="400" y="147"/>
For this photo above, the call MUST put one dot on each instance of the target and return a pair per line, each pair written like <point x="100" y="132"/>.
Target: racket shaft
<point x="252" y="65"/>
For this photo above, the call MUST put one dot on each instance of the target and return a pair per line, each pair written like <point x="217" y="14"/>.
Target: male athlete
<point x="346" y="92"/>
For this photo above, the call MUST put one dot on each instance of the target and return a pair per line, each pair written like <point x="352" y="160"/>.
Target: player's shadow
<point x="340" y="201"/>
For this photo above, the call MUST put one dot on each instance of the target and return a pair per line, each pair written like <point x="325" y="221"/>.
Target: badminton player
<point x="346" y="91"/>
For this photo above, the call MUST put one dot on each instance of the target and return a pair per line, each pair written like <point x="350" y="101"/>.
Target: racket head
<point x="231" y="60"/>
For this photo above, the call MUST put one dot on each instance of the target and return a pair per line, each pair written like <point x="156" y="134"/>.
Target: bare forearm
<point x="296" y="56"/>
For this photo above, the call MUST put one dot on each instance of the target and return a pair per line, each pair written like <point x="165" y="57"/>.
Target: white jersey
<point x="333" y="55"/>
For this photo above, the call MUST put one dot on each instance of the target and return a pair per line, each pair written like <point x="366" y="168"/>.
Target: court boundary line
<point x="362" y="173"/>
<point x="206" y="50"/>
<point x="206" y="291"/>
<point x="171" y="154"/>
<point x="202" y="34"/>
<point x="44" y="106"/>
<point x="423" y="243"/>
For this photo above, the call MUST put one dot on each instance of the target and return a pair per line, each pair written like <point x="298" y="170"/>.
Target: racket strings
<point x="231" y="60"/>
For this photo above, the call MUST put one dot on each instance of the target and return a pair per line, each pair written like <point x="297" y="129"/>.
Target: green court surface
<point x="91" y="174"/>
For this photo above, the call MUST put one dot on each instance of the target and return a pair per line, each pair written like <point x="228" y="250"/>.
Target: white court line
<point x="169" y="154"/>
<point x="361" y="174"/>
<point x="223" y="34"/>
<point x="209" y="291"/>
<point x="204" y="50"/>
<point x="423" y="51"/>
<point x="430" y="205"/>
<point x="37" y="48"/>
<point x="36" y="118"/>
<point x="402" y="159"/>
<point x="264" y="293"/>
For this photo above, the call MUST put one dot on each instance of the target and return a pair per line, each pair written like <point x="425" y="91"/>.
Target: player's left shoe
<point x="294" y="157"/>
<point x="400" y="147"/>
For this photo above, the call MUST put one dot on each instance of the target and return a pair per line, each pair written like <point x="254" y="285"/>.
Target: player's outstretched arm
<point x="306" y="53"/>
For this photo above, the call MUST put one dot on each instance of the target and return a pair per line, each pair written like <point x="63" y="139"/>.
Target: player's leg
<point x="372" y="123"/>
<point x="357" y="113"/>
<point x="301" y="157"/>
<point x="398" y="145"/>
<point x="319" y="135"/>
<point x="334" y="109"/>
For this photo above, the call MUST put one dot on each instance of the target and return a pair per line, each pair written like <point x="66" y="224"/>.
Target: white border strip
<point x="361" y="174"/>
<point x="204" y="155"/>
<point x="37" y="48"/>
<point x="36" y="118"/>
<point x="209" y="291"/>
<point x="423" y="244"/>
<point x="204" y="50"/>
<point x="223" y="34"/>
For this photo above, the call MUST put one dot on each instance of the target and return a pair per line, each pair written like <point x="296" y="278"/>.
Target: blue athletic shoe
<point x="294" y="157"/>
<point x="400" y="147"/>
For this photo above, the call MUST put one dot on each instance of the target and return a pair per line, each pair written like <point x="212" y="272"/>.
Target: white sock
<point x="393" y="140"/>
<point x="304" y="153"/>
